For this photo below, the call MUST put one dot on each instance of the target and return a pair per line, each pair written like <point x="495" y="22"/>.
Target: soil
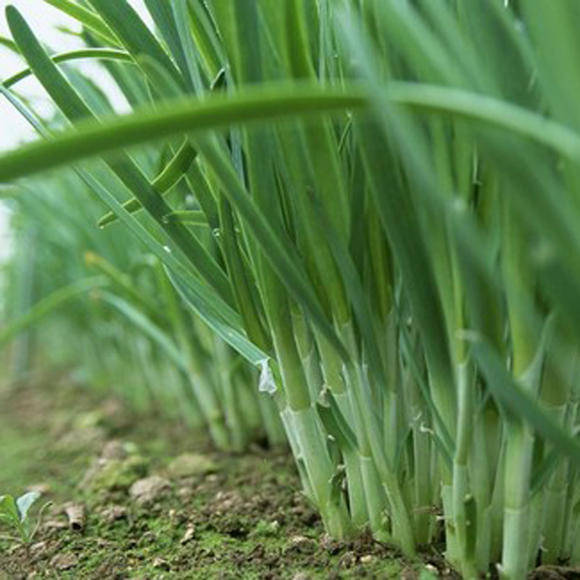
<point x="147" y="498"/>
<point x="156" y="501"/>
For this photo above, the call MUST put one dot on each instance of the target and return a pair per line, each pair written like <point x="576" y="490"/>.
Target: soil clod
<point x="148" y="490"/>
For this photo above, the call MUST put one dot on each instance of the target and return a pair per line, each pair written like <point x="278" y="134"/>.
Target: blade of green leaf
<point x="88" y="139"/>
<point x="83" y="53"/>
<point x="149" y="328"/>
<point x="171" y="174"/>
<point x="25" y="502"/>
<point x="87" y="18"/>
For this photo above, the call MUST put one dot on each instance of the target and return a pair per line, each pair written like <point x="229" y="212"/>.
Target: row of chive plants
<point x="130" y="331"/>
<point x="391" y="240"/>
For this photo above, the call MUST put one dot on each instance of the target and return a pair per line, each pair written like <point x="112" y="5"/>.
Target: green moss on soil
<point x="234" y="517"/>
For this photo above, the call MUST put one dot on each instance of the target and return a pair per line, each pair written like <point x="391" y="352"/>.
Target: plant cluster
<point x="15" y="514"/>
<point x="375" y="205"/>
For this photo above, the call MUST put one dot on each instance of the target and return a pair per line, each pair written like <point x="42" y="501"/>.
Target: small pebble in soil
<point x="188" y="536"/>
<point x="161" y="564"/>
<point x="177" y="517"/>
<point x="113" y="513"/>
<point x="189" y="464"/>
<point x="348" y="560"/>
<point x="302" y="545"/>
<point x="38" y="547"/>
<point x="54" y="524"/>
<point x="114" y="450"/>
<point x="41" y="488"/>
<point x="64" y="561"/>
<point x="114" y="474"/>
<point x="330" y="545"/>
<point x="226" y="501"/>
<point x="185" y="492"/>
<point x="147" y="490"/>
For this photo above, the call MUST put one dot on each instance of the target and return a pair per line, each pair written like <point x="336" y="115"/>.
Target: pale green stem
<point x="313" y="449"/>
<point x="483" y="466"/>
<point x="308" y="436"/>
<point x="519" y="451"/>
<point x="402" y="526"/>
<point x="497" y="502"/>
<point x="331" y="370"/>
<point x="536" y="517"/>
<point x="464" y="377"/>
<point x="425" y="493"/>
<point x="554" y="501"/>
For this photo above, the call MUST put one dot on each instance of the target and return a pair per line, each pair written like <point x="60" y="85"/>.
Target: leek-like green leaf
<point x="83" y="53"/>
<point x="216" y="112"/>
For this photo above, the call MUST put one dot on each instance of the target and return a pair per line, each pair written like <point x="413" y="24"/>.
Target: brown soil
<point x="236" y="516"/>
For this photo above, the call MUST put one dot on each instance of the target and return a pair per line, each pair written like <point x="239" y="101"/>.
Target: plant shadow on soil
<point x="160" y="503"/>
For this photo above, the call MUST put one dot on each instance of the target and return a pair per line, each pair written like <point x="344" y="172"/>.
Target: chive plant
<point x="378" y="215"/>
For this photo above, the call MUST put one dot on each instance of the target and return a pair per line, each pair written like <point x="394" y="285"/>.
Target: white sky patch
<point x="45" y="21"/>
